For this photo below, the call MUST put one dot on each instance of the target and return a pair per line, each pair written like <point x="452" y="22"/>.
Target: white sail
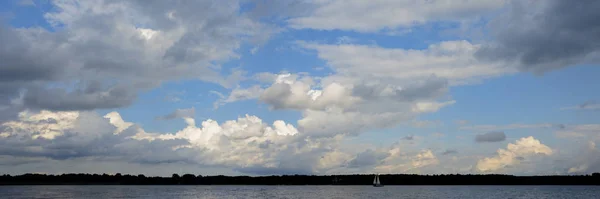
<point x="377" y="179"/>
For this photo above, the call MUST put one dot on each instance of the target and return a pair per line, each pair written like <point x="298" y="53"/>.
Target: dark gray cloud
<point x="544" y="35"/>
<point x="179" y="113"/>
<point x="408" y="137"/>
<point x="449" y="152"/>
<point x="95" y="60"/>
<point x="86" y="99"/>
<point x="491" y="137"/>
<point x="428" y="88"/>
<point x="275" y="95"/>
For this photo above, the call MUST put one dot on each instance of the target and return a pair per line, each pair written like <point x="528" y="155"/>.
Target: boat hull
<point x="375" y="185"/>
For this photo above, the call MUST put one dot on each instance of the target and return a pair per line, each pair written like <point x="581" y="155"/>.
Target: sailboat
<point x="376" y="182"/>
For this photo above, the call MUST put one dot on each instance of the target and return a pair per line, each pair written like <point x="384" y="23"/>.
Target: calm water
<point x="462" y="192"/>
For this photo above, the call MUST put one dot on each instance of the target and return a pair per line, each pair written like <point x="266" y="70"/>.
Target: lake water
<point x="273" y="192"/>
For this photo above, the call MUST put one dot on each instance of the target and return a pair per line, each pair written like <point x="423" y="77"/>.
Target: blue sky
<point x="415" y="86"/>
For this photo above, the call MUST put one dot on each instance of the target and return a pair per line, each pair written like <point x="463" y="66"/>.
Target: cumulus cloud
<point x="513" y="154"/>
<point x="586" y="161"/>
<point x="388" y="14"/>
<point x="490" y="137"/>
<point x="247" y="145"/>
<point x="339" y="105"/>
<point x="69" y="135"/>
<point x="101" y="54"/>
<point x="291" y="92"/>
<point x="539" y="36"/>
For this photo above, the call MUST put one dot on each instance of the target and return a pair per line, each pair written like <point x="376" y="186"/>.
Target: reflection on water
<point x="224" y="192"/>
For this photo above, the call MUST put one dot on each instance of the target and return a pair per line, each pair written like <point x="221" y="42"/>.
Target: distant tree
<point x="141" y="176"/>
<point x="118" y="175"/>
<point x="175" y="176"/>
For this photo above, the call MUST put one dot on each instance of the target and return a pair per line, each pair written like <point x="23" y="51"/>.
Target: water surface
<point x="274" y="192"/>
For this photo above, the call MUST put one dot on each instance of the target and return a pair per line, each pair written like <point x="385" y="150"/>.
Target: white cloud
<point x="452" y="60"/>
<point x="372" y="16"/>
<point x="522" y="148"/>
<point x="44" y="125"/>
<point x="116" y="120"/>
<point x="288" y="92"/>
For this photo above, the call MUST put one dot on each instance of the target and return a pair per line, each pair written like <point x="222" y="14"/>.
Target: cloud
<point x="398" y="162"/>
<point x="101" y="54"/>
<point x="589" y="105"/>
<point x="505" y="127"/>
<point x="462" y="122"/>
<point x="239" y="94"/>
<point x="451" y="60"/>
<point x="449" y="152"/>
<point x="289" y="92"/>
<point x="88" y="98"/>
<point x="385" y="14"/>
<point x="246" y="144"/>
<point x="540" y="36"/>
<point x="438" y="135"/>
<point x="249" y="145"/>
<point x="522" y="148"/>
<point x="26" y="3"/>
<point x="408" y="137"/>
<point x="425" y="123"/>
<point x="367" y="158"/>
<point x="588" y="131"/>
<point x="72" y="135"/>
<point x="491" y="137"/>
<point x="586" y="161"/>
<point x="179" y="113"/>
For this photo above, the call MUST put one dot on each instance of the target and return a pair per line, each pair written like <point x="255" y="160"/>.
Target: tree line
<point x="356" y="179"/>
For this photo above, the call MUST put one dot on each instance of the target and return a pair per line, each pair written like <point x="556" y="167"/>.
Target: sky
<point x="266" y="87"/>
